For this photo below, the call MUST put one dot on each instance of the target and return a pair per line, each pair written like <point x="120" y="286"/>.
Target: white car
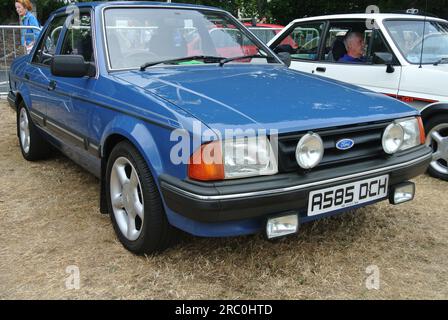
<point x="396" y="64"/>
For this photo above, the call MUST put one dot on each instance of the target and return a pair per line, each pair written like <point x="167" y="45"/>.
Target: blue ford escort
<point x="191" y="122"/>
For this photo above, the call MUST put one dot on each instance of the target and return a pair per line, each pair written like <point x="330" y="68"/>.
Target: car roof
<point x="264" y="25"/>
<point x="95" y="4"/>
<point x="375" y="16"/>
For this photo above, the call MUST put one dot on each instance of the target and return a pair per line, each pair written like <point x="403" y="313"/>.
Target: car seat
<point x="338" y="49"/>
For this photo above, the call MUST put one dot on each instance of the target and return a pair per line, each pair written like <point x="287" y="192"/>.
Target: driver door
<point x="38" y="74"/>
<point x="315" y="54"/>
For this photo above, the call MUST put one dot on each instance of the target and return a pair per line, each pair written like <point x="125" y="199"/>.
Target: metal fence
<point x="10" y="48"/>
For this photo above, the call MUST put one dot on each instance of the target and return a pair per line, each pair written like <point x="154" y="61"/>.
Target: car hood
<point x="268" y="97"/>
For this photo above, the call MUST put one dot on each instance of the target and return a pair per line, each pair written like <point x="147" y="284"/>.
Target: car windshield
<point x="138" y="36"/>
<point x="408" y="36"/>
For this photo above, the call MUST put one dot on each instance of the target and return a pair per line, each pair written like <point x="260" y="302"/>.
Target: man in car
<point x="354" y="44"/>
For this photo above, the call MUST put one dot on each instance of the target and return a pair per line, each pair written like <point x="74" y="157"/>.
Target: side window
<point x="47" y="46"/>
<point x="78" y="38"/>
<point x="334" y="43"/>
<point x="303" y="41"/>
<point x="354" y="34"/>
<point x="378" y="50"/>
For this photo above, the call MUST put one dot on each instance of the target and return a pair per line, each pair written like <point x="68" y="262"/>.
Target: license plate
<point x="347" y="195"/>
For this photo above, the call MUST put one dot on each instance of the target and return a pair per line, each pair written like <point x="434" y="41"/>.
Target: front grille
<point x="367" y="139"/>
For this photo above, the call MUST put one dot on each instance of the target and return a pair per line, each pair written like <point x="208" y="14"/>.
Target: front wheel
<point x="437" y="138"/>
<point x="134" y="202"/>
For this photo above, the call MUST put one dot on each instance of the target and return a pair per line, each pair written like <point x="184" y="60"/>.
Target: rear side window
<point x="47" y="46"/>
<point x="78" y="38"/>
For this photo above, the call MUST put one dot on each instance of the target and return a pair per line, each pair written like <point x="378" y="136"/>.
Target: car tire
<point x="134" y="203"/>
<point x="437" y="137"/>
<point x="32" y="144"/>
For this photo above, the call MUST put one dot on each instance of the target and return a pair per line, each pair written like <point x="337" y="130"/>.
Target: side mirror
<point x="387" y="58"/>
<point x="285" y="57"/>
<point x="71" y="66"/>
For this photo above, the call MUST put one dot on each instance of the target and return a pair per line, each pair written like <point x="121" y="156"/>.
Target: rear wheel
<point x="134" y="202"/>
<point x="32" y="144"/>
<point x="437" y="138"/>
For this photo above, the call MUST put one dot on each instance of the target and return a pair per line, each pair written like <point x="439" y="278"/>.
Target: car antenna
<point x="423" y="36"/>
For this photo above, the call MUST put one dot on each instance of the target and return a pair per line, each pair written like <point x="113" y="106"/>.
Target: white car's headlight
<point x="412" y="133"/>
<point x="309" y="151"/>
<point x="248" y="157"/>
<point x="393" y="137"/>
<point x="233" y="158"/>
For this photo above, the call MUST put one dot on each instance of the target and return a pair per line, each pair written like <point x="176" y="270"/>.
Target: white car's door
<point x="302" y="41"/>
<point x="374" y="74"/>
<point x="369" y="76"/>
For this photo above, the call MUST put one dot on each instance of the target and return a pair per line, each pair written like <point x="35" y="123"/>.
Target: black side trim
<point x="65" y="133"/>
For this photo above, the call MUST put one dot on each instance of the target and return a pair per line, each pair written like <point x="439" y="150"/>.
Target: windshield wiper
<point x="206" y="59"/>
<point x="224" y="61"/>
<point x="441" y="60"/>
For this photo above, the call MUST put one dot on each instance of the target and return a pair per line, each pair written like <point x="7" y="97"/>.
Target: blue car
<point x="190" y="122"/>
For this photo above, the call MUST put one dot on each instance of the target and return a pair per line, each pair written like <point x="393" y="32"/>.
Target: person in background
<point x="28" y="36"/>
<point x="354" y="43"/>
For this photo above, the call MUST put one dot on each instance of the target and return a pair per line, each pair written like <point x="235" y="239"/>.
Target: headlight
<point x="232" y="159"/>
<point x="248" y="157"/>
<point x="393" y="137"/>
<point x="309" y="151"/>
<point x="403" y="134"/>
<point x="411" y="130"/>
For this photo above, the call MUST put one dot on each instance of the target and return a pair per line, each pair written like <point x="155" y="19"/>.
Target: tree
<point x="281" y="11"/>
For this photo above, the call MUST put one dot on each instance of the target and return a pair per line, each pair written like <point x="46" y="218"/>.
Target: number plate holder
<point x="347" y="195"/>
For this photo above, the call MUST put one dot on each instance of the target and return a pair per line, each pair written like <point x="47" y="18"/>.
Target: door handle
<point x="321" y="69"/>
<point x="52" y="85"/>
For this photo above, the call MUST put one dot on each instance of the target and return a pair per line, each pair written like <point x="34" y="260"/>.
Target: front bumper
<point x="263" y="196"/>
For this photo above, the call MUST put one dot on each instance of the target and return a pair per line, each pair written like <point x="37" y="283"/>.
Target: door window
<point x="47" y="46"/>
<point x="373" y="46"/>
<point x="302" y="41"/>
<point x="78" y="38"/>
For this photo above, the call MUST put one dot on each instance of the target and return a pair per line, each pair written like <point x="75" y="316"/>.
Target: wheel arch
<point x="18" y="101"/>
<point x="142" y="140"/>
<point x="433" y="109"/>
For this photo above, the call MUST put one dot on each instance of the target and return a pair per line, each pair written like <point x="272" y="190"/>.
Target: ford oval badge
<point x="345" y="144"/>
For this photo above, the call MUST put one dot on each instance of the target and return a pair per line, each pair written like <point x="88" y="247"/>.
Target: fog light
<point x="309" y="151"/>
<point x="402" y="193"/>
<point x="282" y="226"/>
<point x="393" y="138"/>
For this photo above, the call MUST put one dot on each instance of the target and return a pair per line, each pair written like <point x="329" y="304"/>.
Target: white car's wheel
<point x="437" y="138"/>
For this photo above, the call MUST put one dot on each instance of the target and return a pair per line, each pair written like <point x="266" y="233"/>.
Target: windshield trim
<point x="217" y="10"/>
<point x="429" y="19"/>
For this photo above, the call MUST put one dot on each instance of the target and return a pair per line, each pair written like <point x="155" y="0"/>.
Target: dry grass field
<point x="49" y="219"/>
